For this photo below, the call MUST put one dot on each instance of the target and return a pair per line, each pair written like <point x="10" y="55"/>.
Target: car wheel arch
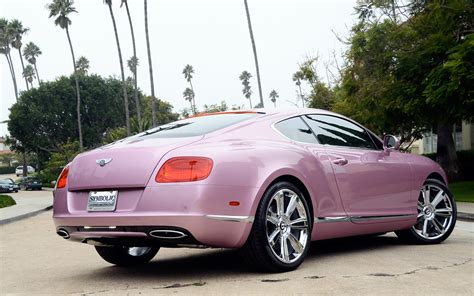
<point x="291" y="178"/>
<point x="437" y="176"/>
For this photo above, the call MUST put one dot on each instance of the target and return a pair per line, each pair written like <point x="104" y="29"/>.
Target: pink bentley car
<point x="266" y="181"/>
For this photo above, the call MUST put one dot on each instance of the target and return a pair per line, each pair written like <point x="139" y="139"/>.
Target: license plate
<point x="102" y="201"/>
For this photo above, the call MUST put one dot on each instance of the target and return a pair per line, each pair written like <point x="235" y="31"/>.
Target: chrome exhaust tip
<point x="167" y="234"/>
<point x="63" y="233"/>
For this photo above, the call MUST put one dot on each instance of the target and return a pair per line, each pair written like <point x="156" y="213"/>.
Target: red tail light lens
<point x="62" y="180"/>
<point x="184" y="169"/>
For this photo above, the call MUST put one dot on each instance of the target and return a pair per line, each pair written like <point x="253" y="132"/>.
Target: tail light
<point x="62" y="180"/>
<point x="184" y="169"/>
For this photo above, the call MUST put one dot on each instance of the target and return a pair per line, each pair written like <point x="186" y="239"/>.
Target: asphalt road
<point x="34" y="260"/>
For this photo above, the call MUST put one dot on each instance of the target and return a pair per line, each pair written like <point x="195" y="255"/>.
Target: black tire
<point x="121" y="257"/>
<point x="257" y="251"/>
<point x="412" y="236"/>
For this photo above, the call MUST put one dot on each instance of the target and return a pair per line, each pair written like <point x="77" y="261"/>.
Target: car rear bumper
<point x="201" y="212"/>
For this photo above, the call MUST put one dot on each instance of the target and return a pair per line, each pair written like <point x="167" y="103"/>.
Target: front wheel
<point x="436" y="215"/>
<point x="281" y="233"/>
<point x="127" y="256"/>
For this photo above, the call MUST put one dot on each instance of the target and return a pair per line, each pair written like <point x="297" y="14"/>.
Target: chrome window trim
<point x="247" y="219"/>
<point x="350" y="121"/>
<point x="326" y="145"/>
<point x="284" y="136"/>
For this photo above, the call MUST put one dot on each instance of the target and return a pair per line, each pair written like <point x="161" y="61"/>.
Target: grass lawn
<point x="463" y="191"/>
<point x="6" y="201"/>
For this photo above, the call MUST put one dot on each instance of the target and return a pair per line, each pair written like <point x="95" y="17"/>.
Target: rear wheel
<point x="436" y="215"/>
<point x="127" y="256"/>
<point x="281" y="233"/>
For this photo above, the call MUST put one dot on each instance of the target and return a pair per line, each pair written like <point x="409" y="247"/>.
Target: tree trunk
<point x="301" y="95"/>
<point x="135" y="93"/>
<point x="23" y="67"/>
<point x="250" y="102"/>
<point x="394" y="14"/>
<point x="78" y="94"/>
<point x="37" y="75"/>
<point x="150" y="68"/>
<point x="25" y="165"/>
<point x="254" y="47"/>
<point x="124" y="84"/>
<point x="193" y="103"/>
<point x="446" y="155"/>
<point x="12" y="73"/>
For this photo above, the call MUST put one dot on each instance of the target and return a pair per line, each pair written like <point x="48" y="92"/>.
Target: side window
<point x="295" y="129"/>
<point x="332" y="130"/>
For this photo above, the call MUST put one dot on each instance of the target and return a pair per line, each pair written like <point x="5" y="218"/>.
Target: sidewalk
<point x="466" y="211"/>
<point x="28" y="203"/>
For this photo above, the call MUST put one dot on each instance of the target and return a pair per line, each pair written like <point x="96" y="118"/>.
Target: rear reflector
<point x="62" y="180"/>
<point x="184" y="169"/>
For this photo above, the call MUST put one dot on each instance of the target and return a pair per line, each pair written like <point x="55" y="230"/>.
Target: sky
<point x="211" y="35"/>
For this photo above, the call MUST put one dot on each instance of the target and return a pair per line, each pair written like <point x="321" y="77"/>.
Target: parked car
<point x="30" y="183"/>
<point x="7" y="186"/>
<point x="19" y="170"/>
<point x="266" y="181"/>
<point x="15" y="186"/>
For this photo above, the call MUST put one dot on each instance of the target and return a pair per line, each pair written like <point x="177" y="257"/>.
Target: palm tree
<point x="188" y="95"/>
<point x="134" y="63"/>
<point x="17" y="30"/>
<point x="188" y="72"/>
<point x="124" y="84"/>
<point x="29" y="74"/>
<point x="5" y="40"/>
<point x="273" y="96"/>
<point x="254" y="47"/>
<point x="61" y="9"/>
<point x="247" y="91"/>
<point x="82" y="65"/>
<point x="31" y="52"/>
<point x="150" y="68"/>
<point x="297" y="77"/>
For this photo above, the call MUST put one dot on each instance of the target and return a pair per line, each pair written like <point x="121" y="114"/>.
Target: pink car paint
<point x="248" y="157"/>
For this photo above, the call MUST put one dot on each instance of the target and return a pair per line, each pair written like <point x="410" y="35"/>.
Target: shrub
<point x="7" y="170"/>
<point x="6" y="201"/>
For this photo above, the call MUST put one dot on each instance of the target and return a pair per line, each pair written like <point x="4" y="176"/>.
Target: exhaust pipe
<point x="167" y="234"/>
<point x="63" y="233"/>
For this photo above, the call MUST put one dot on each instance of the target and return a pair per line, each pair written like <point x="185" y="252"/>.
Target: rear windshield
<point x="196" y="126"/>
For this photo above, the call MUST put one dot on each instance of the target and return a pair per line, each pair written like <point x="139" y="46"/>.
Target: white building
<point x="463" y="139"/>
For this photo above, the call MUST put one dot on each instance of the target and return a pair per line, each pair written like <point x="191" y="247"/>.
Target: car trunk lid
<point x="125" y="164"/>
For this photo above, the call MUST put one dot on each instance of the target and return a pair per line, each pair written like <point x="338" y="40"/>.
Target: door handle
<point x="340" y="161"/>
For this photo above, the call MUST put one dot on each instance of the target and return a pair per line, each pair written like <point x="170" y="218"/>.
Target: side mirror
<point x="390" y="143"/>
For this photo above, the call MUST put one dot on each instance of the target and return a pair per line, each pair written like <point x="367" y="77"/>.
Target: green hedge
<point x="7" y="170"/>
<point x="6" y="201"/>
<point x="48" y="175"/>
<point x="465" y="161"/>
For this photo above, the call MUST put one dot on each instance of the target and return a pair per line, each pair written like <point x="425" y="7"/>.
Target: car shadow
<point x="224" y="262"/>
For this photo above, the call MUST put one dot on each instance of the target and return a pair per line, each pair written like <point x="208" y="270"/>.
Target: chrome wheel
<point x="287" y="225"/>
<point x="138" y="251"/>
<point x="435" y="212"/>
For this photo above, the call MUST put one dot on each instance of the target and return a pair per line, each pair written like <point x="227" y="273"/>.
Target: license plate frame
<point x="102" y="201"/>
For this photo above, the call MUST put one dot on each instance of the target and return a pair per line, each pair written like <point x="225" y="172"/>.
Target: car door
<point x="320" y="176"/>
<point x="372" y="183"/>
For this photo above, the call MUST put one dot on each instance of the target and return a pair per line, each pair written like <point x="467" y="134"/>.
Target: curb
<point x="469" y="217"/>
<point x="26" y="215"/>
